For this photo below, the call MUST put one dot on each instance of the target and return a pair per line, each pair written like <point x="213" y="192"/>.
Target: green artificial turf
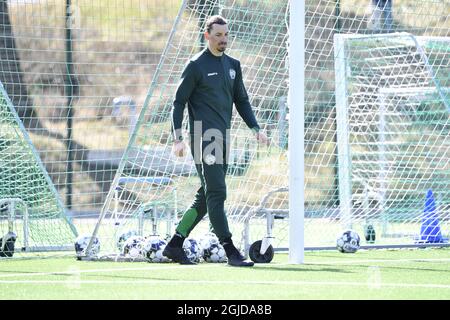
<point x="367" y="274"/>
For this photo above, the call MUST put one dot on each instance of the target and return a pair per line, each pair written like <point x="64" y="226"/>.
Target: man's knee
<point x="200" y="202"/>
<point x="202" y="209"/>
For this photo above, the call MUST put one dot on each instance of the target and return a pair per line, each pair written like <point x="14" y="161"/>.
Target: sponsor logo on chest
<point x="232" y="73"/>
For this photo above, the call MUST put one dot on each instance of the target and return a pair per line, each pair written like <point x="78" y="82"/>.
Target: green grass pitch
<point x="367" y="274"/>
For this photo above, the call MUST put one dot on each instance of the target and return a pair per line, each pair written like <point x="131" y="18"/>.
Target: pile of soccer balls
<point x="150" y="248"/>
<point x="208" y="247"/>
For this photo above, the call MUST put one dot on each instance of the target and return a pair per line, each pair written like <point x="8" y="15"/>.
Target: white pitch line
<point x="380" y="260"/>
<point x="79" y="271"/>
<point x="212" y="282"/>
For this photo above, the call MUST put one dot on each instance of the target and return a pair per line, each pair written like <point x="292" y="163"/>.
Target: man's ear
<point x="206" y="35"/>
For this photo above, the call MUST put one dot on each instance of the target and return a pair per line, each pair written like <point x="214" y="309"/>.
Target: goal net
<point x="393" y="112"/>
<point x="29" y="203"/>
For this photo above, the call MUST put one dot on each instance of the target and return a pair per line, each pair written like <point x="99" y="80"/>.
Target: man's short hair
<point x="217" y="19"/>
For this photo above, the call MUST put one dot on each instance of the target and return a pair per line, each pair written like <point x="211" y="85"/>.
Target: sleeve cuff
<point x="177" y="135"/>
<point x="255" y="129"/>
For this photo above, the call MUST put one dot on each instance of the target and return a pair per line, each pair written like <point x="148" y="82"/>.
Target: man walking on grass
<point x="210" y="84"/>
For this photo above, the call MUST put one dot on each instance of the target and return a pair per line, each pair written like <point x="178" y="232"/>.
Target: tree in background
<point x="11" y="75"/>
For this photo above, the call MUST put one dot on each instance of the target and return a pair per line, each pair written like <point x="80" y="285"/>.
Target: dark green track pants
<point x="210" y="198"/>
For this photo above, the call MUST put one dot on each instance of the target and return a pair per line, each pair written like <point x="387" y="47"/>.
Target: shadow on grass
<point x="301" y="268"/>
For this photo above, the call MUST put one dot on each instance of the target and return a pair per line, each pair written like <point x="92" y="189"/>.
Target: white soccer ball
<point x="124" y="236"/>
<point x="153" y="249"/>
<point x="348" y="242"/>
<point x="81" y="244"/>
<point x="192" y="249"/>
<point x="212" y="250"/>
<point x="134" y="247"/>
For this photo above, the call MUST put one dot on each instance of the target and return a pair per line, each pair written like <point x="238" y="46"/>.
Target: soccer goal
<point x="29" y="204"/>
<point x="393" y="112"/>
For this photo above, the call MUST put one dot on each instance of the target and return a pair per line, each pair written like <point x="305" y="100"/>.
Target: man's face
<point x="217" y="37"/>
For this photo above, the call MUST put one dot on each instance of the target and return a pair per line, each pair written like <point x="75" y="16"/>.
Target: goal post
<point x="296" y="104"/>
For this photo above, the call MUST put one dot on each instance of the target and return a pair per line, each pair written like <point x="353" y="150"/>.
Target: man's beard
<point x="222" y="47"/>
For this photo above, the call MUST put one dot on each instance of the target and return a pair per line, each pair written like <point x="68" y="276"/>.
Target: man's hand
<point x="262" y="138"/>
<point x="179" y="148"/>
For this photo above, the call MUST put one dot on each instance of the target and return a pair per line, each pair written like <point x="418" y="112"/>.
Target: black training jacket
<point x="210" y="85"/>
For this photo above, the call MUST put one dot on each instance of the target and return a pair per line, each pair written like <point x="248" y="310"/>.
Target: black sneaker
<point x="177" y="254"/>
<point x="236" y="259"/>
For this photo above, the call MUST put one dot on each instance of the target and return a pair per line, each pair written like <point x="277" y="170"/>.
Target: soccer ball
<point x="124" y="236"/>
<point x="348" y="242"/>
<point x="153" y="249"/>
<point x="212" y="250"/>
<point x="81" y="244"/>
<point x="192" y="249"/>
<point x="134" y="247"/>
